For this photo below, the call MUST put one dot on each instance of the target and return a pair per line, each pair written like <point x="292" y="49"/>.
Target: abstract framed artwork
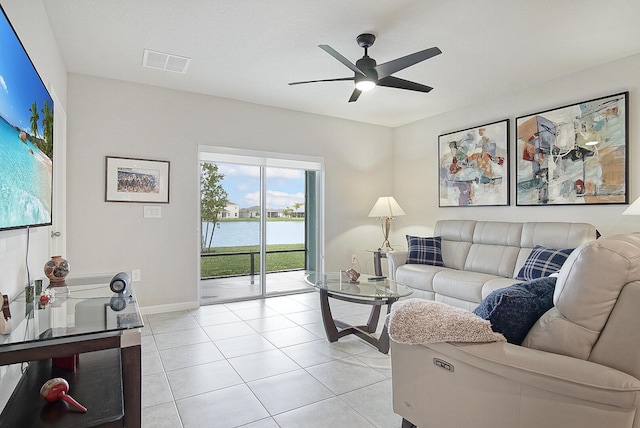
<point x="576" y="154"/>
<point x="136" y="180"/>
<point x="474" y="166"/>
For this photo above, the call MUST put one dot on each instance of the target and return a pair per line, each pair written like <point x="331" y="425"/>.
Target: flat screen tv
<point x="26" y="137"/>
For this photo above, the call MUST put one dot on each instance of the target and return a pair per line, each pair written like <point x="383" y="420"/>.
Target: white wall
<point x="30" y="21"/>
<point x="416" y="153"/>
<point x="108" y="117"/>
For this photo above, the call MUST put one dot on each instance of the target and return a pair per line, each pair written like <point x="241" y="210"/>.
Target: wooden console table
<point x="84" y="318"/>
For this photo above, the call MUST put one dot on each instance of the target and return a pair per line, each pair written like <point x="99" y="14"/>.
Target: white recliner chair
<point x="579" y="366"/>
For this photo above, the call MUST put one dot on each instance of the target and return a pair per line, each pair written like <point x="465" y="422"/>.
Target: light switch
<point x="152" y="211"/>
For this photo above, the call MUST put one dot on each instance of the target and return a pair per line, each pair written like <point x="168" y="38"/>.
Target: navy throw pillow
<point x="513" y="310"/>
<point x="424" y="251"/>
<point x="543" y="262"/>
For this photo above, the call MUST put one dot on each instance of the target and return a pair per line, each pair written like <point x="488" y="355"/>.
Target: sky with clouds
<point x="20" y="84"/>
<point x="285" y="187"/>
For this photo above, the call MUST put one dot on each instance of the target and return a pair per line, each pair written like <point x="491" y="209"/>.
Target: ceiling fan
<point x="369" y="75"/>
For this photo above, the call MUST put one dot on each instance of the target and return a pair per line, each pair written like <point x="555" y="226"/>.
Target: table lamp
<point x="386" y="208"/>
<point x="633" y="209"/>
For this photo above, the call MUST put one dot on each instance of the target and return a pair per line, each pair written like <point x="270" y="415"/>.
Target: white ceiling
<point x="250" y="49"/>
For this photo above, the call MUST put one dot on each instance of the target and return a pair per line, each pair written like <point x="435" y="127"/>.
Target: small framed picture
<point x="136" y="180"/>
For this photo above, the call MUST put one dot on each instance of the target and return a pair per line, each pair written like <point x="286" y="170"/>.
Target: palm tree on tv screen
<point x="47" y="129"/>
<point x="35" y="117"/>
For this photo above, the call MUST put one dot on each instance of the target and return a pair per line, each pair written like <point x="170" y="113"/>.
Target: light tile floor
<point x="263" y="364"/>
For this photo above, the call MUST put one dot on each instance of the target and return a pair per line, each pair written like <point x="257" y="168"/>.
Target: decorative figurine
<point x="353" y="275"/>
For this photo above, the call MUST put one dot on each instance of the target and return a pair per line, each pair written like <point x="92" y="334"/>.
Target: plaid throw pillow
<point x="424" y="251"/>
<point x="543" y="262"/>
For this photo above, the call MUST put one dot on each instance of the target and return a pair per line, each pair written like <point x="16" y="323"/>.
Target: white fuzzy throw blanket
<point x="420" y="321"/>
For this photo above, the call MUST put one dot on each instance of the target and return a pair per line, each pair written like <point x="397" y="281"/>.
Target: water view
<point x="25" y="174"/>
<point x="240" y="233"/>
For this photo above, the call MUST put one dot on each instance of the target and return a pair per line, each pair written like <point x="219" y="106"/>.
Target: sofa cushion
<point x="498" y="260"/>
<point x="498" y="233"/>
<point x="461" y="284"/>
<point x="454" y="253"/>
<point x="513" y="310"/>
<point x="496" y="284"/>
<point x="542" y="262"/>
<point x="425" y="251"/>
<point x="457" y="237"/>
<point x="557" y="234"/>
<point x="418" y="276"/>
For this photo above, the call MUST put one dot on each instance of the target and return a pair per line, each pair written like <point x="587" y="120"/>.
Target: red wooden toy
<point x="56" y="389"/>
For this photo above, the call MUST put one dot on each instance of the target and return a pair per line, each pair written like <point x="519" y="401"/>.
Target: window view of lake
<point x="240" y="233"/>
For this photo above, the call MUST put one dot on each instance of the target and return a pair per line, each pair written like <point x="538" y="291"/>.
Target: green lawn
<point x="240" y="264"/>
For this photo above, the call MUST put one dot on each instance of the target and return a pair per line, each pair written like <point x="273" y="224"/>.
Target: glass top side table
<point x="378" y="254"/>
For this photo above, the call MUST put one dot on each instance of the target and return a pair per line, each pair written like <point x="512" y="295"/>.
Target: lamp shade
<point x="634" y="208"/>
<point x="386" y="206"/>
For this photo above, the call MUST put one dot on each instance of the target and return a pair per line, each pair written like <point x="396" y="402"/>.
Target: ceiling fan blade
<point x="322" y="80"/>
<point x="388" y="68"/>
<point x="354" y="95"/>
<point x="395" y="82"/>
<point x="334" y="53"/>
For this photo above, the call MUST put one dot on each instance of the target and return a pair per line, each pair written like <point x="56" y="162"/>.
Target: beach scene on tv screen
<point x="26" y="137"/>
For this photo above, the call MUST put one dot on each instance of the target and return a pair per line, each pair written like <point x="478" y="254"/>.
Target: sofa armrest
<point x="572" y="377"/>
<point x="396" y="259"/>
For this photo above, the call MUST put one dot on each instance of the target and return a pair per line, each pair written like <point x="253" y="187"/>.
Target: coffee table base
<point x="362" y="331"/>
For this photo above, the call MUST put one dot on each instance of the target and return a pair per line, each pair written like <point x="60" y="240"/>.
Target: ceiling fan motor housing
<point x="367" y="64"/>
<point x="365" y="40"/>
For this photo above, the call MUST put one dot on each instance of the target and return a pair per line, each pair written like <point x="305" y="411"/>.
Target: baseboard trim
<point x="173" y="307"/>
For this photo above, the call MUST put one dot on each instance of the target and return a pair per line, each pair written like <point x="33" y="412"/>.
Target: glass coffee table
<point x="364" y="291"/>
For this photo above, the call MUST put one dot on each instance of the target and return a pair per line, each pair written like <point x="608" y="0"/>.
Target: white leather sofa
<point x="482" y="256"/>
<point x="579" y="366"/>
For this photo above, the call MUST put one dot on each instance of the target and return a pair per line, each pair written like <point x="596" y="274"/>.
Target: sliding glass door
<point x="230" y="250"/>
<point x="285" y="246"/>
<point x="260" y="228"/>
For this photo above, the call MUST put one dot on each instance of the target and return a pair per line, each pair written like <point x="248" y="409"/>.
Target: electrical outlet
<point x="152" y="211"/>
<point x="354" y="259"/>
<point x="136" y="275"/>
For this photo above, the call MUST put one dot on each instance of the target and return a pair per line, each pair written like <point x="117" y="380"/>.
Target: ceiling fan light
<point x="365" y="85"/>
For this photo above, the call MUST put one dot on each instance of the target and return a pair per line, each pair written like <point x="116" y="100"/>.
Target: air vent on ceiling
<point x="164" y="61"/>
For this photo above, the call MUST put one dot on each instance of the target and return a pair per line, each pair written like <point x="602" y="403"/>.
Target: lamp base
<point x="385" y="247"/>
<point x="386" y="226"/>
